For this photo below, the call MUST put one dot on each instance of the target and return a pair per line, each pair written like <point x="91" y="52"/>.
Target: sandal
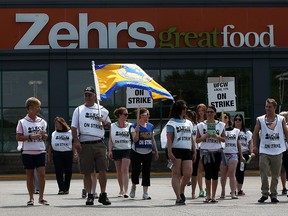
<point x="30" y="203"/>
<point x="207" y="200"/>
<point x="43" y="202"/>
<point x="214" y="201"/>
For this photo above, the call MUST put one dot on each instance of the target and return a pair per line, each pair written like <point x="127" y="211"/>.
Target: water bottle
<point x="242" y="166"/>
<point x="170" y="164"/>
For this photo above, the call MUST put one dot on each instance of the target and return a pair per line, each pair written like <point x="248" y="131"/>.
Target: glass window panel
<point x="10" y="121"/>
<point x="279" y="85"/>
<point x="20" y="85"/>
<point x="191" y="86"/>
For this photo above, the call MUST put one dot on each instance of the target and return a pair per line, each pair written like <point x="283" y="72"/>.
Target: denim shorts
<point x="231" y="156"/>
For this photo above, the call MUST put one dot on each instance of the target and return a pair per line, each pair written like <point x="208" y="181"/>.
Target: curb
<point x="109" y="175"/>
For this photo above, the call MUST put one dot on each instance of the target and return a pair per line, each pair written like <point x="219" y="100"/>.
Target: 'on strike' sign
<point x="138" y="98"/>
<point x="222" y="96"/>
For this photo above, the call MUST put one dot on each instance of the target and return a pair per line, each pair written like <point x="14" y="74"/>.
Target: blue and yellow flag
<point x="114" y="76"/>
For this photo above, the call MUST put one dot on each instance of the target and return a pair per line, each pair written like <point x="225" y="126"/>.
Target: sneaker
<point x="183" y="197"/>
<point x="84" y="193"/>
<point x="104" y="199"/>
<point x="90" y="199"/>
<point x="133" y="191"/>
<point x="241" y="193"/>
<point x="284" y="191"/>
<point x="179" y="202"/>
<point x="262" y="199"/>
<point x="274" y="200"/>
<point x="201" y="194"/>
<point x="146" y="196"/>
<point x="61" y="192"/>
<point x="126" y="196"/>
<point x="43" y="202"/>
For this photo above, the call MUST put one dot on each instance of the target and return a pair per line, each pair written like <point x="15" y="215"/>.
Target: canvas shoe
<point x="133" y="191"/>
<point x="146" y="196"/>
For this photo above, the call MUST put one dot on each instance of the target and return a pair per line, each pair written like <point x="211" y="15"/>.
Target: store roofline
<point x="140" y="3"/>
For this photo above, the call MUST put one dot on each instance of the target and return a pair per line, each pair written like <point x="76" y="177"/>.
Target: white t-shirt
<point x="61" y="141"/>
<point x="86" y="120"/>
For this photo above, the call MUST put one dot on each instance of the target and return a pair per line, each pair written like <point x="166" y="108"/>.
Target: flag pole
<point x="96" y="87"/>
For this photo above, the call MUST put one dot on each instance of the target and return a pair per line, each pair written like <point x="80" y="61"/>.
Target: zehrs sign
<point x="140" y="28"/>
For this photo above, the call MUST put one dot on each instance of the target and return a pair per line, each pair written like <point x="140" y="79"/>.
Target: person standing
<point x="120" y="147"/>
<point x="284" y="167"/>
<point x="272" y="130"/>
<point x="245" y="138"/>
<point x="179" y="147"/>
<point x="231" y="151"/>
<point x="141" y="154"/>
<point x="62" y="150"/>
<point x="211" y="150"/>
<point x="32" y="131"/>
<point x="88" y="129"/>
<point x="191" y="115"/>
<point x="200" y="117"/>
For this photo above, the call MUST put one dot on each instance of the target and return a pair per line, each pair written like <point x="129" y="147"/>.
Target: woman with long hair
<point x="200" y="117"/>
<point x="231" y="151"/>
<point x="62" y="150"/>
<point x="246" y="141"/>
<point x="211" y="133"/>
<point x="141" y="154"/>
<point x="120" y="147"/>
<point x="179" y="146"/>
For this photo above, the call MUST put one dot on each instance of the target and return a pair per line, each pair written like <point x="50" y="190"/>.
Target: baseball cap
<point x="90" y="90"/>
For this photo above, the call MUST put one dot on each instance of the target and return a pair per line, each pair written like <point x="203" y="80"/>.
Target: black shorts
<point x="183" y="154"/>
<point x="120" y="154"/>
<point x="33" y="161"/>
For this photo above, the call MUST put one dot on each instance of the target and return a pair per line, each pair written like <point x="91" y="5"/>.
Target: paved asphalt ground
<point x="13" y="198"/>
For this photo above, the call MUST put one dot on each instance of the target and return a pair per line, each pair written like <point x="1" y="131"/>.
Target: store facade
<point x="46" y="51"/>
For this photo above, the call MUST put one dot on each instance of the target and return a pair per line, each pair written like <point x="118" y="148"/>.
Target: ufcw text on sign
<point x="222" y="96"/>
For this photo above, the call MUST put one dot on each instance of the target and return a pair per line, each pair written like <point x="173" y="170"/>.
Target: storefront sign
<point x="84" y="28"/>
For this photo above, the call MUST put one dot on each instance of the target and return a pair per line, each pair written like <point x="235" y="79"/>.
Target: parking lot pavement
<point x="13" y="198"/>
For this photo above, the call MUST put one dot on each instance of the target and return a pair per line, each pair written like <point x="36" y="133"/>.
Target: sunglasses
<point x="226" y="117"/>
<point x="237" y="119"/>
<point x="145" y="114"/>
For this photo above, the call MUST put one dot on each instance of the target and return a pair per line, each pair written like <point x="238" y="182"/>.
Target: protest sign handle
<point x="96" y="87"/>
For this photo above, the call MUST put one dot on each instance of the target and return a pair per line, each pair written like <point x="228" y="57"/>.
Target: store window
<point x="78" y="80"/>
<point x="187" y="84"/>
<point x="279" y="86"/>
<point x="191" y="86"/>
<point x="17" y="87"/>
